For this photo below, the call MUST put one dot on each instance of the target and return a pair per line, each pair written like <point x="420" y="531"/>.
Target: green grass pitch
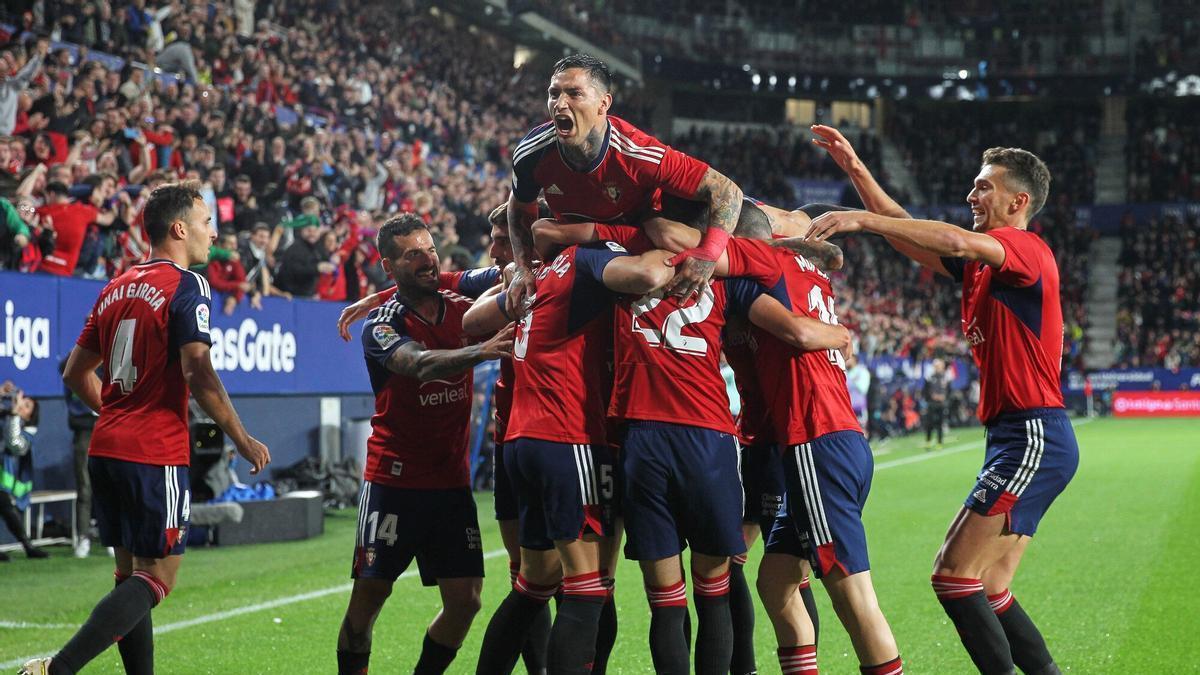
<point x="1108" y="578"/>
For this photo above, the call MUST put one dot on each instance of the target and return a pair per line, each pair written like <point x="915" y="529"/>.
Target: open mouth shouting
<point x="564" y="125"/>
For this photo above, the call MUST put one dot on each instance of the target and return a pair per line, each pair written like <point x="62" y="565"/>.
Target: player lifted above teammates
<point x="150" y="329"/>
<point x="416" y="498"/>
<point x="1012" y="318"/>
<point x="594" y="167"/>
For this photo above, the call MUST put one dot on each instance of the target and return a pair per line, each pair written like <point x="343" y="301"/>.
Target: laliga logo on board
<point x="249" y="349"/>
<point x="25" y="337"/>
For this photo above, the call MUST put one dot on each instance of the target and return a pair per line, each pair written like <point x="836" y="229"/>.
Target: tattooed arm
<point x="825" y="255"/>
<point x="413" y="360"/>
<point x="696" y="265"/>
<point x="521" y="216"/>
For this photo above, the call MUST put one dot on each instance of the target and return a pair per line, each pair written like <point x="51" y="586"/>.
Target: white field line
<point x="219" y="616"/>
<point x="342" y="588"/>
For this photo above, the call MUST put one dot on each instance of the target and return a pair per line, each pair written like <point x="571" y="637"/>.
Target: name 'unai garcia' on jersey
<point x="560" y="350"/>
<point x="419" y="432"/>
<point x="620" y="186"/>
<point x="138" y="325"/>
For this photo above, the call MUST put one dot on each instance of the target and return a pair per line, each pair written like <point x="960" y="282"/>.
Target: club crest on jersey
<point x="385" y="335"/>
<point x="613" y="192"/>
<point x="202" y="318"/>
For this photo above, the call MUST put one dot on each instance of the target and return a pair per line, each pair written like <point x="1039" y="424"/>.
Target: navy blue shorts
<point x="439" y="528"/>
<point x="1031" y="456"/>
<point x="762" y="484"/>
<point x="141" y="508"/>
<point x="563" y="490"/>
<point x="682" y="486"/>
<point x="828" y="480"/>
<point x="504" y="497"/>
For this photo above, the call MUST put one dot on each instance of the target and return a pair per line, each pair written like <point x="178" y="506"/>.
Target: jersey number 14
<point x="823" y="305"/>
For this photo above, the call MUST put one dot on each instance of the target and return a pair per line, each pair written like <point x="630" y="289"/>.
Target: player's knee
<point x="465" y="601"/>
<point x="160" y="585"/>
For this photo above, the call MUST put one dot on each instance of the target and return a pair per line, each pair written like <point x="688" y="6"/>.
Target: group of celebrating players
<point x="633" y="268"/>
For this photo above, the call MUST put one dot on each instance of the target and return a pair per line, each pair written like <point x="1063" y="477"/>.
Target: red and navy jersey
<point x="621" y="185"/>
<point x="138" y="324"/>
<point x="807" y="390"/>
<point x="754" y="418"/>
<point x="1012" y="318"/>
<point x="560" y="350"/>
<point x="419" y="431"/>
<point x="667" y="356"/>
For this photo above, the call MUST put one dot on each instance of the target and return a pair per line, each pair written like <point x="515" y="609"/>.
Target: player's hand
<point x="691" y="275"/>
<point x="358" y="310"/>
<point x="499" y="345"/>
<point x="520" y="292"/>
<point x="256" y="453"/>
<point x="836" y="145"/>
<point x="508" y="272"/>
<point x="834" y="222"/>
<point x="847" y="350"/>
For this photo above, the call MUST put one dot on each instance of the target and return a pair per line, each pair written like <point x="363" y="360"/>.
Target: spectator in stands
<point x="226" y="274"/>
<point x="253" y="253"/>
<point x="15" y="77"/>
<point x="303" y="262"/>
<point x="245" y="205"/>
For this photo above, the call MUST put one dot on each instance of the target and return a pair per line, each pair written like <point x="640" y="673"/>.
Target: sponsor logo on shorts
<point x="980" y="495"/>
<point x="474" y="541"/>
<point x="397" y="467"/>
<point x="553" y="190"/>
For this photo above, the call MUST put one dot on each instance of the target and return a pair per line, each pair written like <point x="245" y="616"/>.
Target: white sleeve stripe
<point x="637" y="155"/>
<point x="629" y="148"/>
<point x="634" y="146"/>
<point x="525" y="151"/>
<point x="201" y="284"/>
<point x="537" y="138"/>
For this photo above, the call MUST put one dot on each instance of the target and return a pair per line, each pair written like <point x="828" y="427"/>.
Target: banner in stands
<point x="284" y="348"/>
<point x="1156" y="404"/>
<point x="1133" y="379"/>
<point x="889" y="368"/>
<point x="817" y="191"/>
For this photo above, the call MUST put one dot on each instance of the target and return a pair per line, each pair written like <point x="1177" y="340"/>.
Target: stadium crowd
<point x="1163" y="152"/>
<point x="1157" y="321"/>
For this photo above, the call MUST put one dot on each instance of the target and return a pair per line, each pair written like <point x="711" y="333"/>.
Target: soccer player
<point x="1012" y="318"/>
<point x="533" y="652"/>
<point x="557" y="452"/>
<point x="150" y="329"/>
<point x="679" y="452"/>
<point x="591" y="166"/>
<point x="416" y="499"/>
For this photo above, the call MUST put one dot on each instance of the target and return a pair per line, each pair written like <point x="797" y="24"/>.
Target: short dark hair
<point x="596" y="69"/>
<point x="168" y="203"/>
<point x="752" y="222"/>
<point x="1024" y="172"/>
<point x="397" y="226"/>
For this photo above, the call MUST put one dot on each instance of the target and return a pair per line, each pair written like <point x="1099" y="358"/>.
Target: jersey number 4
<point x="670" y="333"/>
<point x="823" y="305"/>
<point x="120" y="362"/>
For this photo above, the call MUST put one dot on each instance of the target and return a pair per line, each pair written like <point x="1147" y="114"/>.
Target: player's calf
<point x="354" y="639"/>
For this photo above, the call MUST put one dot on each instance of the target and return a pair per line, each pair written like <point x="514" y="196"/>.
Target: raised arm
<point x="802" y="332"/>
<point x="208" y="391"/>
<point x="521" y="216"/>
<point x="674" y="236"/>
<point x="549" y="235"/>
<point x="933" y="239"/>
<point x="360" y="310"/>
<point x="695" y="265"/>
<point x="412" y="359"/>
<point x="871" y="192"/>
<point x="639" y="274"/>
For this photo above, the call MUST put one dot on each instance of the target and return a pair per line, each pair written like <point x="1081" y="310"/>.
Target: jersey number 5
<point x="120" y="362"/>
<point x="823" y="306"/>
<point x="670" y="334"/>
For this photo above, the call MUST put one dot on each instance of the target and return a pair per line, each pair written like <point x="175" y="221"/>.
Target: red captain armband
<point x="712" y="245"/>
